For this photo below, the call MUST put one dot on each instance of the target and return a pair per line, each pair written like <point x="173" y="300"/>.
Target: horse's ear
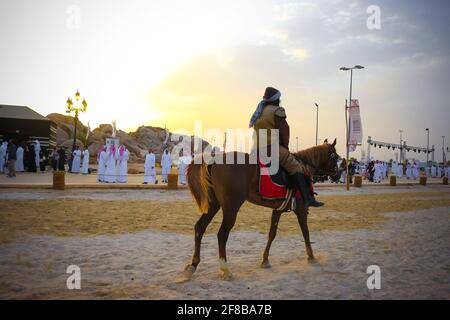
<point x="325" y="141"/>
<point x="334" y="142"/>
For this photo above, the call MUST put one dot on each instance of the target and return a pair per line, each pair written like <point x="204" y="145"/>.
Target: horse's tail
<point x="199" y="182"/>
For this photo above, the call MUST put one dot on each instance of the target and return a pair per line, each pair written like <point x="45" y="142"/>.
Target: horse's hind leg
<point x="229" y="219"/>
<point x="200" y="228"/>
<point x="302" y="217"/>
<point x="272" y="234"/>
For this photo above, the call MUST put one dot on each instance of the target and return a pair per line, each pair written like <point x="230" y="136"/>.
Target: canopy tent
<point x="26" y="125"/>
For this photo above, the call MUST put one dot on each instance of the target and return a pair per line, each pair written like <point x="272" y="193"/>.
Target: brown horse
<point x="228" y="186"/>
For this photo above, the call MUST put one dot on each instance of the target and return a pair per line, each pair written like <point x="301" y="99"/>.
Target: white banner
<point x="355" y="126"/>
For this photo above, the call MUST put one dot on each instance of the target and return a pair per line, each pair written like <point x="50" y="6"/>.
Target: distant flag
<point x="88" y="131"/>
<point x="113" y="129"/>
<point x="167" y="137"/>
<point x="225" y="142"/>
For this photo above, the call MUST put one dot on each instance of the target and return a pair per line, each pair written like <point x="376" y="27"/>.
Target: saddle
<point x="277" y="187"/>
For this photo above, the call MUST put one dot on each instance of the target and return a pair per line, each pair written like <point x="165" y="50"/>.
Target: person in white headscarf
<point x="101" y="159"/>
<point x="76" y="160"/>
<point x="110" y="175"/>
<point x="149" y="168"/>
<point x="3" y="149"/>
<point x="122" y="164"/>
<point x="166" y="164"/>
<point x="37" y="150"/>
<point x="85" y="166"/>
<point x="19" y="162"/>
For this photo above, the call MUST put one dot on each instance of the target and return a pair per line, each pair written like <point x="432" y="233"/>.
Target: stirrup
<point x="314" y="203"/>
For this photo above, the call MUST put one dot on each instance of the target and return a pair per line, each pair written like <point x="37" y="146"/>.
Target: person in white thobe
<point x="439" y="171"/>
<point x="166" y="164"/>
<point x="433" y="171"/>
<point x="378" y="172"/>
<point x="394" y="168"/>
<point x="122" y="164"/>
<point x="149" y="168"/>
<point x="110" y="163"/>
<point x="19" y="161"/>
<point x="408" y="171"/>
<point x="3" y="149"/>
<point x="101" y="159"/>
<point x="400" y="170"/>
<point x="37" y="150"/>
<point x="415" y="170"/>
<point x="85" y="166"/>
<point x="183" y="162"/>
<point x="76" y="162"/>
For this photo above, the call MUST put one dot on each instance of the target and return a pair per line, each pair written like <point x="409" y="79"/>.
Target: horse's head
<point x="322" y="159"/>
<point x="331" y="167"/>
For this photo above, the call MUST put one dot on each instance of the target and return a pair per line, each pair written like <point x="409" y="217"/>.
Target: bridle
<point x="333" y="157"/>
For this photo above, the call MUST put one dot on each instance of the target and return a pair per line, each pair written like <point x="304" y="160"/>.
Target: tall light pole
<point x="70" y="107"/>
<point x="401" y="149"/>
<point x="346" y="117"/>
<point x="443" y="150"/>
<point x="428" y="142"/>
<point x="296" y="138"/>
<point x="317" y="122"/>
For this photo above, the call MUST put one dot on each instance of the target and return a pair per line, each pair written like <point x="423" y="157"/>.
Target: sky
<point x="171" y="63"/>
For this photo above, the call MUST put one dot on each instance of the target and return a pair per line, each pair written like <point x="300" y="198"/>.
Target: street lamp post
<point x="317" y="122"/>
<point x="71" y="107"/>
<point x="347" y="106"/>
<point x="401" y="149"/>
<point x="428" y="142"/>
<point x="296" y="138"/>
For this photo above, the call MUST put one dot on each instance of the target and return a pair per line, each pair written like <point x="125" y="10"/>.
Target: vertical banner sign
<point x="355" y="129"/>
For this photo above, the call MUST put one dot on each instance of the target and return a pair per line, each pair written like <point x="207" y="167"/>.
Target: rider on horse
<point x="269" y="115"/>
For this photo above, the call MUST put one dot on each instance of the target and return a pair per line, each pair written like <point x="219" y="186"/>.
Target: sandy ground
<point x="140" y="252"/>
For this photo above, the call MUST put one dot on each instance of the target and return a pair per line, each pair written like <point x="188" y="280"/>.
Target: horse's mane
<point x="313" y="156"/>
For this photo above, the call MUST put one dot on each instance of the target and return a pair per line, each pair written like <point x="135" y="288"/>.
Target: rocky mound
<point x="138" y="142"/>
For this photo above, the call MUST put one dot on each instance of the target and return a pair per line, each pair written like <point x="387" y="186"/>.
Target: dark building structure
<point x="25" y="125"/>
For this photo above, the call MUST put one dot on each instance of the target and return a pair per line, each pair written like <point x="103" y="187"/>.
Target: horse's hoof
<point x="227" y="276"/>
<point x="266" y="265"/>
<point x="312" y="260"/>
<point x="189" y="270"/>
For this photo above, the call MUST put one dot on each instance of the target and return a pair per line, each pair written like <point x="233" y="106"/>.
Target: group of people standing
<point x="166" y="164"/>
<point x="113" y="164"/>
<point x="377" y="170"/>
<point x="80" y="161"/>
<point x="21" y="157"/>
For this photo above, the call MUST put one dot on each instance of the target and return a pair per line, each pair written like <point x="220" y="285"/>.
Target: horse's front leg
<point x="272" y="234"/>
<point x="200" y="228"/>
<point x="302" y="217"/>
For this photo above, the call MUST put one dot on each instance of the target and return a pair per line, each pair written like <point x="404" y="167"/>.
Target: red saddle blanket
<point x="273" y="187"/>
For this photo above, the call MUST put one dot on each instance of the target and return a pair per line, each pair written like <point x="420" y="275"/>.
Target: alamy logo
<point x="374" y="280"/>
<point x="74" y="280"/>
<point x="373" y="22"/>
<point x="73" y="21"/>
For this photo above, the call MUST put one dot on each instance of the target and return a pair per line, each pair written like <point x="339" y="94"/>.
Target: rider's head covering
<point x="270" y="92"/>
<point x="270" y="95"/>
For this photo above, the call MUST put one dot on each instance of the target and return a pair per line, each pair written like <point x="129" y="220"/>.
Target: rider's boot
<point x="307" y="196"/>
